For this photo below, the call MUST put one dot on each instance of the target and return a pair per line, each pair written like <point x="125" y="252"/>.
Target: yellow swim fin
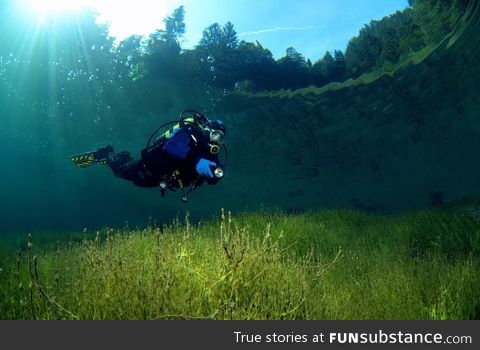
<point x="87" y="159"/>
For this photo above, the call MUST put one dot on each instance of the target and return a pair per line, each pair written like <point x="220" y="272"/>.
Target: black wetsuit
<point x="176" y="156"/>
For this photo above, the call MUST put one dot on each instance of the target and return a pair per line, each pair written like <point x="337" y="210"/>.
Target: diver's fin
<point x="87" y="159"/>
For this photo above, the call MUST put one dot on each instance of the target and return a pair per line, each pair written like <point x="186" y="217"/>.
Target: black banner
<point x="239" y="334"/>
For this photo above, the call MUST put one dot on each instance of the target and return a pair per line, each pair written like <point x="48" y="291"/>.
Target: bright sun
<point x="125" y="17"/>
<point x="46" y="6"/>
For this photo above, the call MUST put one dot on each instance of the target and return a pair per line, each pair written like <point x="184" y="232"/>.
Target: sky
<point x="310" y="26"/>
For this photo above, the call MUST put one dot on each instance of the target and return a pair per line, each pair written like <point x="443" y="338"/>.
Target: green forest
<point x="238" y="64"/>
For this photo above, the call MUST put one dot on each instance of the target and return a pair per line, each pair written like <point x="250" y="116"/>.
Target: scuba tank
<point x="197" y="118"/>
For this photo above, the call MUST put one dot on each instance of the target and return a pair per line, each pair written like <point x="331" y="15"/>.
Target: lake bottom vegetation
<point x="333" y="264"/>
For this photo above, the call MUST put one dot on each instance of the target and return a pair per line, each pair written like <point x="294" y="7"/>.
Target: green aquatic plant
<point x="269" y="265"/>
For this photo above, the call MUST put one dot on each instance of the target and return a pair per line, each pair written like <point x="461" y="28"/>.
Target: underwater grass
<point x="321" y="265"/>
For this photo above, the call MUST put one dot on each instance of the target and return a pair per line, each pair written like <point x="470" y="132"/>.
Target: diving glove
<point x="203" y="168"/>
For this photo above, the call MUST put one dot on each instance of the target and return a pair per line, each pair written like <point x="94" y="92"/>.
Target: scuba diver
<point x="185" y="155"/>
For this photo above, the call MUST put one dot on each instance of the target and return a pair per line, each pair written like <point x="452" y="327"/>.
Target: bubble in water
<point x="202" y="60"/>
<point x="93" y="47"/>
<point x="212" y="69"/>
<point x="211" y="59"/>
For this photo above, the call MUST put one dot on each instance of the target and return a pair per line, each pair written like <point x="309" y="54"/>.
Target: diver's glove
<point x="203" y="168"/>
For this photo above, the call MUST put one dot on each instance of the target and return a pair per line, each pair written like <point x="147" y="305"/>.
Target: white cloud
<point x="277" y="29"/>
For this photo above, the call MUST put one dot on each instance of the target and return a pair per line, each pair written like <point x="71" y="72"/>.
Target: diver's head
<point x="217" y="130"/>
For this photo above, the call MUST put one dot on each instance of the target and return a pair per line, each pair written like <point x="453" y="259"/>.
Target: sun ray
<point x="124" y="19"/>
<point x="46" y="6"/>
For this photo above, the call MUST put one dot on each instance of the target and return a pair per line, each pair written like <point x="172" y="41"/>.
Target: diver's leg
<point x="103" y="153"/>
<point x="123" y="165"/>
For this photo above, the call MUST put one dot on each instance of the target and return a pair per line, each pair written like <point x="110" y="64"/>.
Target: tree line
<point x="227" y="63"/>
<point x="381" y="43"/>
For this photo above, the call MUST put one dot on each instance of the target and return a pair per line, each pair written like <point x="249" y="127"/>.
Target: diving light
<point x="218" y="172"/>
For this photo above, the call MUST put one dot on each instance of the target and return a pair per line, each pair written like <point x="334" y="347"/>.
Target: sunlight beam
<point x="47" y="6"/>
<point x="124" y="18"/>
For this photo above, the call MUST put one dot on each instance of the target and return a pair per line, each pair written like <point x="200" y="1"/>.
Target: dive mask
<point x="216" y="136"/>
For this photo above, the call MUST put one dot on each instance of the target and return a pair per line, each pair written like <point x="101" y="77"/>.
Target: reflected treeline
<point x="77" y="48"/>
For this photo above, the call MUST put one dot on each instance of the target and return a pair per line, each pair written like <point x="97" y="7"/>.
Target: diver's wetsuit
<point x="181" y="152"/>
